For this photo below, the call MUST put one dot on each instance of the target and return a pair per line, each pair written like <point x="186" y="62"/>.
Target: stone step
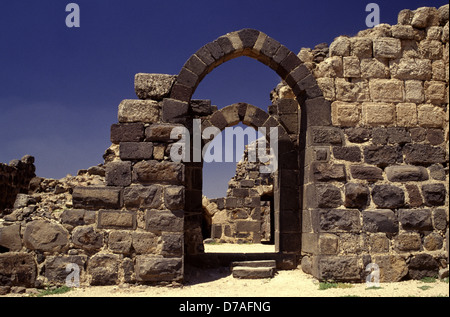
<point x="245" y="272"/>
<point x="263" y="263"/>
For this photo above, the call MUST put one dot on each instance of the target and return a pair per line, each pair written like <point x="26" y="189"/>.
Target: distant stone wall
<point x="15" y="179"/>
<point x="244" y="215"/>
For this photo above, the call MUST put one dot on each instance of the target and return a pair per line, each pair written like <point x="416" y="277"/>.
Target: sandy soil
<point x="295" y="283"/>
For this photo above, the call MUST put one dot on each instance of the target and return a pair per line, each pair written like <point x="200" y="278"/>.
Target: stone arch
<point x="257" y="45"/>
<point x="314" y="111"/>
<point x="248" y="114"/>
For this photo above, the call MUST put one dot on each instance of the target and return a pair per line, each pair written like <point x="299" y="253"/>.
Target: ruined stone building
<point x="363" y="153"/>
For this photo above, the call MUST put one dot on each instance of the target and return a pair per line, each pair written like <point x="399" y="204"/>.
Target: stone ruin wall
<point x="377" y="185"/>
<point x="14" y="179"/>
<point x="373" y="141"/>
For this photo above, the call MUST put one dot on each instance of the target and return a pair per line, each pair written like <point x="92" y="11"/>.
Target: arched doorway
<point x="314" y="111"/>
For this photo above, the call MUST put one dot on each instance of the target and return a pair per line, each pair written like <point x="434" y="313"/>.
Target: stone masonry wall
<point x="377" y="186"/>
<point x="362" y="175"/>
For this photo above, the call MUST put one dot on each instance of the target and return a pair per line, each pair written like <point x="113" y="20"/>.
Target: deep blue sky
<point x="60" y="87"/>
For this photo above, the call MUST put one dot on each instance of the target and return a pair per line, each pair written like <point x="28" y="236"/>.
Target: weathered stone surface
<point x="45" y="236"/>
<point x="411" y="69"/>
<point x="153" y="86"/>
<point x="87" y="238"/>
<point x="201" y="107"/>
<point x="138" y="111"/>
<point x="380" y="220"/>
<point x="147" y="172"/>
<point x="142" y="197"/>
<point x="17" y="269"/>
<point x="433" y="242"/>
<point x="103" y="269"/>
<point x="339" y="220"/>
<point x="120" y="241"/>
<point x="172" y="244"/>
<point x="361" y="47"/>
<point x="136" y="150"/>
<point x="160" y="132"/>
<point x="151" y="268"/>
<point x="414" y="92"/>
<point x="96" y="197"/>
<point x="175" y="111"/>
<point x="408" y="241"/>
<point x="440" y="219"/>
<point x="423" y="265"/>
<point x="10" y="237"/>
<point x="418" y="219"/>
<point x="244" y="272"/>
<point x="326" y="136"/>
<point x="110" y="219"/>
<point x="435" y="136"/>
<point x="388" y="196"/>
<point x="342" y="268"/>
<point x="378" y="114"/>
<point x="328" y="244"/>
<point x="434" y="194"/>
<point x="77" y="217"/>
<point x="174" y="197"/>
<point x="351" y="154"/>
<point x="324" y="172"/>
<point x="415" y="198"/>
<point x="55" y="267"/>
<point x="356" y="195"/>
<point x="169" y="221"/>
<point x="374" y="68"/>
<point x="127" y="132"/>
<point x="406" y="173"/>
<point x="418" y="154"/>
<point x="319" y="111"/>
<point x="393" y="268"/>
<point x="145" y="242"/>
<point x="386" y="48"/>
<point x="403" y="32"/>
<point x="118" y="173"/>
<point x="340" y="46"/>
<point x="368" y="173"/>
<point x="378" y="243"/>
<point x="424" y="17"/>
<point x="358" y="135"/>
<point x="382" y="155"/>
<point x="406" y="114"/>
<point x="435" y="92"/>
<point x="345" y="114"/>
<point x="328" y="196"/>
<point x="352" y="67"/>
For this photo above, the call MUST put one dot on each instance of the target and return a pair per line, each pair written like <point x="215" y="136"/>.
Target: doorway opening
<point x="239" y="219"/>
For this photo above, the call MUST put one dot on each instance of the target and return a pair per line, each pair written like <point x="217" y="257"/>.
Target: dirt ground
<point x="295" y="283"/>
